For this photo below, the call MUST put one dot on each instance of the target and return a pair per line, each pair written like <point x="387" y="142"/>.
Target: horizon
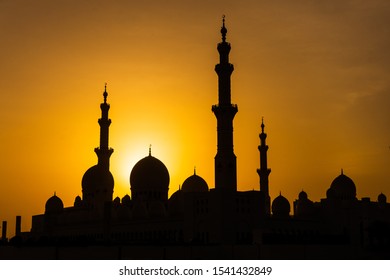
<point x="317" y="73"/>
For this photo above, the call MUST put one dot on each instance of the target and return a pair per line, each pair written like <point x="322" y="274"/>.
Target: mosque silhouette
<point x="197" y="222"/>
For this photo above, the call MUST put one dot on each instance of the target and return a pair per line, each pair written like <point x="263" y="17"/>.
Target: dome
<point x="54" y="205"/>
<point x="97" y="179"/>
<point x="175" y="203"/>
<point x="126" y="200"/>
<point x="77" y="201"/>
<point x="149" y="174"/>
<point x="343" y="187"/>
<point x="302" y="195"/>
<point x="195" y="183"/>
<point x="281" y="207"/>
<point x="116" y="202"/>
<point x="382" y="198"/>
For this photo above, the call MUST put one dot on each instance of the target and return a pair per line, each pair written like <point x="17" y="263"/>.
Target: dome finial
<point x="150" y="149"/>
<point x="105" y="94"/>
<point x="194" y="170"/>
<point x="342" y="171"/>
<point x="223" y="29"/>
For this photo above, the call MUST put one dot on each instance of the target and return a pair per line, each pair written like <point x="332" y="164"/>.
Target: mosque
<point x="197" y="216"/>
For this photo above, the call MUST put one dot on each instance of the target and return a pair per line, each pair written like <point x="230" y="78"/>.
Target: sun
<point x="128" y="153"/>
<point x="124" y="162"/>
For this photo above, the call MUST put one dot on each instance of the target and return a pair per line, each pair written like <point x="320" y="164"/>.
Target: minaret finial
<point x="105" y="94"/>
<point x="223" y="29"/>
<point x="262" y="125"/>
<point x="150" y="149"/>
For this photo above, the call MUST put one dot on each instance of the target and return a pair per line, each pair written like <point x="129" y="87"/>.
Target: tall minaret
<point x="225" y="159"/>
<point x="103" y="152"/>
<point x="264" y="171"/>
<point x="98" y="182"/>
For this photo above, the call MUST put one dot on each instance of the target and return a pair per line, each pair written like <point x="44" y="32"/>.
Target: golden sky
<point x="318" y="71"/>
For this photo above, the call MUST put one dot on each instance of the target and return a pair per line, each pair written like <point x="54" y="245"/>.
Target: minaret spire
<point x="105" y="94"/>
<point x="104" y="152"/>
<point x="264" y="171"/>
<point x="262" y="125"/>
<point x="223" y="29"/>
<point x="225" y="159"/>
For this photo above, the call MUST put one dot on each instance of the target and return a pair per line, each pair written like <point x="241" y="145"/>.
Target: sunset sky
<point x="317" y="71"/>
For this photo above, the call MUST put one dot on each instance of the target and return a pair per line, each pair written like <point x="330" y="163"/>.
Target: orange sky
<point x="317" y="72"/>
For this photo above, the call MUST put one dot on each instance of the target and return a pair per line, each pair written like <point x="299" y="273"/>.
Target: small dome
<point x="343" y="187"/>
<point x="281" y="207"/>
<point x="54" y="205"/>
<point x="195" y="183"/>
<point x="382" y="198"/>
<point x="302" y="195"/>
<point x="116" y="202"/>
<point x="149" y="174"/>
<point x="330" y="194"/>
<point x="175" y="203"/>
<point x="77" y="201"/>
<point x="97" y="179"/>
<point x="126" y="200"/>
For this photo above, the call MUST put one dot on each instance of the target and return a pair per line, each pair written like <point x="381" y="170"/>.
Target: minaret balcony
<point x="229" y="109"/>
<point x="101" y="150"/>
<point x="223" y="68"/>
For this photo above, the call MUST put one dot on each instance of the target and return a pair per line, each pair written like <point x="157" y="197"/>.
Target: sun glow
<point x="131" y="150"/>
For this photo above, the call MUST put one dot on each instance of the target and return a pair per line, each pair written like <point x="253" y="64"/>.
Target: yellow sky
<point x="317" y="72"/>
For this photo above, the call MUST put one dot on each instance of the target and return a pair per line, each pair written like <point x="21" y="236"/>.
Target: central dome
<point x="342" y="187"/>
<point x="149" y="174"/>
